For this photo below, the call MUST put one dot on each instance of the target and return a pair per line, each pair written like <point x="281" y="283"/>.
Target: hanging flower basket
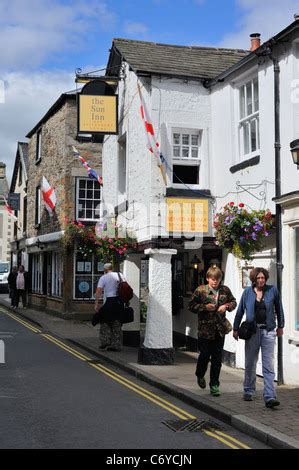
<point x="240" y="231"/>
<point x="108" y="246"/>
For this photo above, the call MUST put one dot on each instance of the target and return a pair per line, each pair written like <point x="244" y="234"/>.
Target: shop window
<point x="88" y="271"/>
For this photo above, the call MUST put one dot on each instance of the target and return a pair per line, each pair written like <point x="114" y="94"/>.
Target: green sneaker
<point x="215" y="392"/>
<point x="201" y="382"/>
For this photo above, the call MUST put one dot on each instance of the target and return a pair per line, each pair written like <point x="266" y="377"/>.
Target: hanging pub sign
<point x="97" y="109"/>
<point x="13" y="200"/>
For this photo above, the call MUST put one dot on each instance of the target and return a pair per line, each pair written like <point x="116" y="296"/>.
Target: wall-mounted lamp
<point x="195" y="262"/>
<point x="295" y="151"/>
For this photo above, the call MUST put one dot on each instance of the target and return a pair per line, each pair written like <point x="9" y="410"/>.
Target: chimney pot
<point x="296" y="16"/>
<point x="255" y="41"/>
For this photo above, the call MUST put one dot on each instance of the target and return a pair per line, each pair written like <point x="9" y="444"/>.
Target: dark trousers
<point x="22" y="293"/>
<point x="13" y="296"/>
<point x="210" y="349"/>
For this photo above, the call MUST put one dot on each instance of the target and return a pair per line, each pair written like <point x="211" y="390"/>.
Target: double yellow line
<point x="182" y="414"/>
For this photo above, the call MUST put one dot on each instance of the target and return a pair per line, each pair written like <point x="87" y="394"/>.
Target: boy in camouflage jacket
<point x="210" y="302"/>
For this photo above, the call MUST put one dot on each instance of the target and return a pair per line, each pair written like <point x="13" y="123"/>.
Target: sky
<point x="43" y="42"/>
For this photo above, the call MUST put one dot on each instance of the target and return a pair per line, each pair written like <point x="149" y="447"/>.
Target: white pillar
<point x="131" y="271"/>
<point x="158" y="333"/>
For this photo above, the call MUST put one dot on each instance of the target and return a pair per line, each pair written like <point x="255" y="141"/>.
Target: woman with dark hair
<point x="262" y="304"/>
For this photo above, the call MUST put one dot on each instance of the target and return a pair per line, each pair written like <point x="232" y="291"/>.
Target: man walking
<point x="22" y="284"/>
<point x="111" y="311"/>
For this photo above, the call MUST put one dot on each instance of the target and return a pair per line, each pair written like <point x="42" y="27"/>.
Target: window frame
<point x="77" y="208"/>
<point x="247" y="120"/>
<point x="186" y="161"/>
<point x="38" y="153"/>
<point x="37" y="273"/>
<point x="38" y="196"/>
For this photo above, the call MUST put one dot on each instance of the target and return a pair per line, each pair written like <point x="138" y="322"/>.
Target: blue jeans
<point x="264" y="340"/>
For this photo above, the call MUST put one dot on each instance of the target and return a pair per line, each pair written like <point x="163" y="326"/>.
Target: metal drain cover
<point x="191" y="425"/>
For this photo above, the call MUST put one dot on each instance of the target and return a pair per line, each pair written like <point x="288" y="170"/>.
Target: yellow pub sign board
<point x="187" y="215"/>
<point x="98" y="114"/>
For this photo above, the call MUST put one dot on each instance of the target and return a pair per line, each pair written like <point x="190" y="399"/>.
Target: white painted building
<point x="171" y="79"/>
<point x="18" y="187"/>
<point x="243" y="143"/>
<point x="6" y="221"/>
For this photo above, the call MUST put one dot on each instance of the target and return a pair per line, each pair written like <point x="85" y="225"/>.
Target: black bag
<point x="127" y="315"/>
<point x="246" y="330"/>
<point x="97" y="318"/>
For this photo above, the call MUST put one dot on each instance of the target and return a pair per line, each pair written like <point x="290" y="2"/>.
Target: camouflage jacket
<point x="210" y="322"/>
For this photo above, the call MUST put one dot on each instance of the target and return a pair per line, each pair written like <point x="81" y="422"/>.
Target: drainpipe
<point x="277" y="146"/>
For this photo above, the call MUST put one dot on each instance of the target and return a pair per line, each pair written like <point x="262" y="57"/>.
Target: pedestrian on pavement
<point x="111" y="311"/>
<point x="12" y="284"/>
<point x="261" y="303"/>
<point x="22" y="284"/>
<point x="210" y="302"/>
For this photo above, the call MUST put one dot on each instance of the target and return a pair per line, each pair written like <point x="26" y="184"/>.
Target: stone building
<point x="6" y="222"/>
<point x="57" y="277"/>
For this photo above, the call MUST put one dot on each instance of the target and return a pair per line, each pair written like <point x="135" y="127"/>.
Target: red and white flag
<point x="48" y="195"/>
<point x="152" y="142"/>
<point x="9" y="209"/>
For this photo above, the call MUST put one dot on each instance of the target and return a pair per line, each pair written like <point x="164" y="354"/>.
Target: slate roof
<point x="21" y="159"/>
<point x="165" y="59"/>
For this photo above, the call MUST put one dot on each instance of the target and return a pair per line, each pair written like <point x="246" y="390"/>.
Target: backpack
<point x="124" y="291"/>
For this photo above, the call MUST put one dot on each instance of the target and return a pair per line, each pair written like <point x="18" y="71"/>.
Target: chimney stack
<point x="296" y="17"/>
<point x="255" y="41"/>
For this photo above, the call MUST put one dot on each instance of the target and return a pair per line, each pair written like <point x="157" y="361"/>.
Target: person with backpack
<point x="110" y="314"/>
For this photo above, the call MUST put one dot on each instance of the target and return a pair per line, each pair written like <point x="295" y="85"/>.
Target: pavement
<point x="278" y="428"/>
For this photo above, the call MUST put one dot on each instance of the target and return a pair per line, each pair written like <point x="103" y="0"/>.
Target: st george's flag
<point x="91" y="173"/>
<point x="9" y="209"/>
<point x="48" y="195"/>
<point x="152" y="142"/>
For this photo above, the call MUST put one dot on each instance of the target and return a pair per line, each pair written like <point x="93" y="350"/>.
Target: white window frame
<point x="98" y="207"/>
<point x="186" y="160"/>
<point x="57" y="274"/>
<point x="37" y="273"/>
<point x="38" y="205"/>
<point x="249" y="119"/>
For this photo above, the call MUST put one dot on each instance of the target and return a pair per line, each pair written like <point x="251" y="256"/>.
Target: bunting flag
<point x="9" y="209"/>
<point x="91" y="173"/>
<point x="48" y="195"/>
<point x="152" y="143"/>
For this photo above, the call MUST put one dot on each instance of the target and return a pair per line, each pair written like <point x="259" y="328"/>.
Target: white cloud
<point x="267" y="17"/>
<point x="135" y="28"/>
<point x="32" y="31"/>
<point x="27" y="99"/>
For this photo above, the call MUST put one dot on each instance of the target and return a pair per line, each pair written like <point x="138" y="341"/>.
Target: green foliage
<point x="240" y="231"/>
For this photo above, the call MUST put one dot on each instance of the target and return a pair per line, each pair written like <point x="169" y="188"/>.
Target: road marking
<point x="182" y="414"/>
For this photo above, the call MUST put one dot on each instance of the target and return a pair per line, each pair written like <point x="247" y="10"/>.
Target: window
<point x="296" y="326"/>
<point x="25" y="215"/>
<point x="186" y="156"/>
<point x="55" y="274"/>
<point x="249" y="131"/>
<point x="20" y="174"/>
<point x="88" y="199"/>
<point x="37" y="205"/>
<point x="38" y="155"/>
<point x="88" y="270"/>
<point x="37" y="273"/>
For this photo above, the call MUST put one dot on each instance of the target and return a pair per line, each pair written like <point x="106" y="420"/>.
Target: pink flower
<point x="241" y="204"/>
<point x="231" y="203"/>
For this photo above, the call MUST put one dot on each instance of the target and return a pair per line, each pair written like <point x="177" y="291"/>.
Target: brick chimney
<point x="255" y="41"/>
